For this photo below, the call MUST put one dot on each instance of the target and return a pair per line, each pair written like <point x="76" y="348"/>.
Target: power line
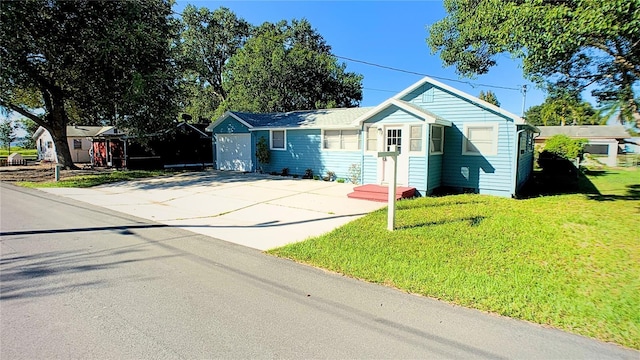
<point x="422" y="74"/>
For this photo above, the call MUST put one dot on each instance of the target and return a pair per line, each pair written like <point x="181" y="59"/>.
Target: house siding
<point x="417" y="173"/>
<point x="230" y="126"/>
<point x="525" y="163"/>
<point x="370" y="169"/>
<point x="490" y="174"/>
<point x="303" y="151"/>
<point x="434" y="173"/>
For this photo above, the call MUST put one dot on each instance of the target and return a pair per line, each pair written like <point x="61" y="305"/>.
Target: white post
<point x="391" y="199"/>
<point x="391" y="215"/>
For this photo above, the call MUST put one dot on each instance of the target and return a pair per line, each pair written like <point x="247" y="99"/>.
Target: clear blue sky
<point x="389" y="33"/>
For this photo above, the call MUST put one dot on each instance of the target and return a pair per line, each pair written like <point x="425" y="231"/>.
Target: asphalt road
<point x="78" y="281"/>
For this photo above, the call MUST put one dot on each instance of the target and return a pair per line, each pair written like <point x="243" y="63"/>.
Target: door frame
<point x="384" y="165"/>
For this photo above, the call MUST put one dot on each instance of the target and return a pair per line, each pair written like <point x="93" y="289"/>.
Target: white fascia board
<point x="517" y="119"/>
<point x="38" y="132"/>
<point x="415" y="110"/>
<point x="224" y="117"/>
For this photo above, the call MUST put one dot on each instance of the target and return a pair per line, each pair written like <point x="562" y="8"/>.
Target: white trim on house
<point x="425" y="115"/>
<point x="340" y="139"/>
<point x="517" y="119"/>
<point x="494" y="139"/>
<point x="224" y="117"/>
<point x="284" y="140"/>
<point x="440" y="151"/>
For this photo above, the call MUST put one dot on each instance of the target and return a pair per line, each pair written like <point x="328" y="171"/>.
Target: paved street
<point x="80" y="281"/>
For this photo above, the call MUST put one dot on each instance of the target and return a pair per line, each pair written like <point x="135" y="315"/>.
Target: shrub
<point x="308" y="174"/>
<point x="565" y="147"/>
<point x="354" y="173"/>
<point x="262" y="152"/>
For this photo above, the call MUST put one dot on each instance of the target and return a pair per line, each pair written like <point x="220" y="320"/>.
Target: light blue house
<point x="446" y="138"/>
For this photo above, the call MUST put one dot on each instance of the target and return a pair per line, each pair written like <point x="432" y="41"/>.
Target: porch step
<point x="380" y="193"/>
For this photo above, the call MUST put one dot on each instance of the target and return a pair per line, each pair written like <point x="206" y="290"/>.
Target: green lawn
<point x="569" y="261"/>
<point x="30" y="153"/>
<point x="84" y="181"/>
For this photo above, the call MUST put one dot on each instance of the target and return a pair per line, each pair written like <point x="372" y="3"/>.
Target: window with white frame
<point x="278" y="139"/>
<point x="341" y="140"/>
<point x="480" y="139"/>
<point x="437" y="139"/>
<point x="372" y="138"/>
<point x="415" y="138"/>
<point x="77" y="144"/>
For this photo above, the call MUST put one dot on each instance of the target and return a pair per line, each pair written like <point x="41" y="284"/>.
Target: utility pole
<point x="524" y="97"/>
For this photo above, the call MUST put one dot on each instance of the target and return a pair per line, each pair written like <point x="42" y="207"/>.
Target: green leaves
<point x="285" y="67"/>
<point x="107" y="62"/>
<point x="573" y="44"/>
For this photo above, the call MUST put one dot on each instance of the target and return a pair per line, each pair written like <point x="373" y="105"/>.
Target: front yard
<point x="568" y="261"/>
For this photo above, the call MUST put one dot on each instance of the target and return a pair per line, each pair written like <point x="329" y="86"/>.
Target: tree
<point x="30" y="127"/>
<point x="561" y="109"/>
<point x="101" y="62"/>
<point x="573" y="44"/>
<point x="489" y="97"/>
<point x="209" y="39"/>
<point x="285" y="67"/>
<point x="7" y="133"/>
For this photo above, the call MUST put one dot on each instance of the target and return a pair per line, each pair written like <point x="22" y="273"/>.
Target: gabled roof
<point x="87" y="131"/>
<point x="585" y="131"/>
<point x="81" y="131"/>
<point x="517" y="119"/>
<point x="316" y="119"/>
<point x="426" y="115"/>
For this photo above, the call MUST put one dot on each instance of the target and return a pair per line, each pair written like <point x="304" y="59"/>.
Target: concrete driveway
<point x="254" y="210"/>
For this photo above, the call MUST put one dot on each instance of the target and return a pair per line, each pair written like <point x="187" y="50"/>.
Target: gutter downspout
<point x="516" y="157"/>
<point x="428" y="155"/>
<point x="362" y="147"/>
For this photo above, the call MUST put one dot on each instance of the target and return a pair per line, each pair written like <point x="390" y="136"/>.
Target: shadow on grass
<point x="545" y="184"/>
<point x="472" y="220"/>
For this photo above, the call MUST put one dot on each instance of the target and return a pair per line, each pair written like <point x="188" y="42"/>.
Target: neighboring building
<point x="605" y="141"/>
<point x="446" y="138"/>
<point x="186" y="145"/>
<point x="79" y="138"/>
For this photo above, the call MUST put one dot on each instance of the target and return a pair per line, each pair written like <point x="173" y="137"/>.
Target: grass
<point x="84" y="181"/>
<point x="567" y="261"/>
<point x="31" y="153"/>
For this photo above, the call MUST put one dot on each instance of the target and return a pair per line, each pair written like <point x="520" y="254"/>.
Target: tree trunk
<point x="57" y="121"/>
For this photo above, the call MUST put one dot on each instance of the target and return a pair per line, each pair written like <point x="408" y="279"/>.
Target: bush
<point x="565" y="147"/>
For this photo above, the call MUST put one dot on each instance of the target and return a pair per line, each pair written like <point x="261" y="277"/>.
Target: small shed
<point x="605" y="141"/>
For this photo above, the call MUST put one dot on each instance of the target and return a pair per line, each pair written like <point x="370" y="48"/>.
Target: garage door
<point x="233" y="152"/>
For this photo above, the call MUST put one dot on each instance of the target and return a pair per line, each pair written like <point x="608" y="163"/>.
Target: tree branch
<point x="22" y="111"/>
<point x="618" y="59"/>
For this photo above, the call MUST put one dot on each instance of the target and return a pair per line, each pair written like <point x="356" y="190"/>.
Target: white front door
<point x="233" y="152"/>
<point x="395" y="136"/>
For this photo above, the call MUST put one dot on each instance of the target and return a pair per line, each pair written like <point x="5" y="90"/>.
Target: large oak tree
<point x="285" y="67"/>
<point x="572" y="44"/>
<point x="208" y="40"/>
<point x="99" y="62"/>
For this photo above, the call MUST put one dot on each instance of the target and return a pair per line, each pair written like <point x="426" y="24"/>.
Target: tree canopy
<point x="574" y="44"/>
<point x="7" y="133"/>
<point x="489" y="97"/>
<point x="564" y="109"/>
<point x="285" y="67"/>
<point x="102" y="62"/>
<point x="208" y="40"/>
